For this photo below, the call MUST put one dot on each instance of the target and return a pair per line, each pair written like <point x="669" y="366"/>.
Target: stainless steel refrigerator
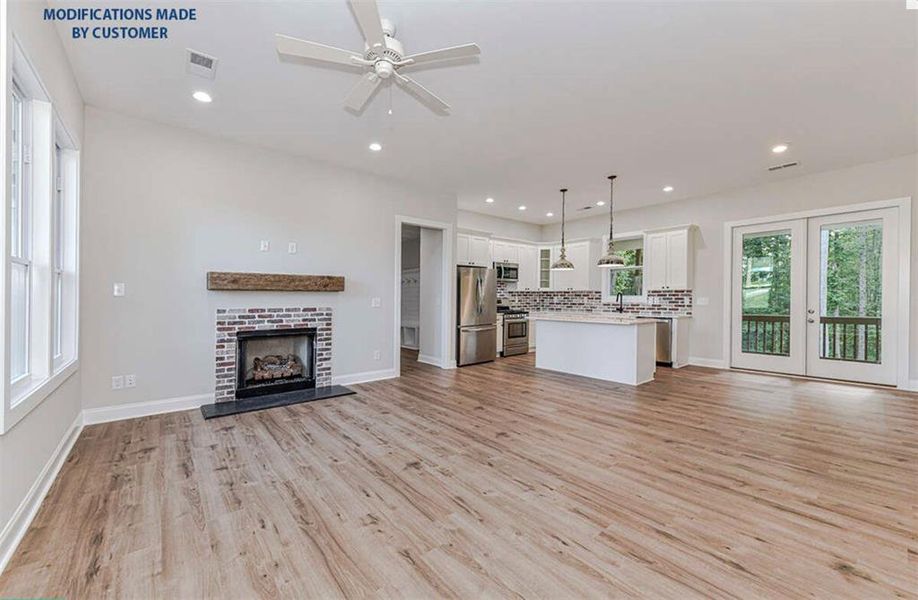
<point x="477" y="318"/>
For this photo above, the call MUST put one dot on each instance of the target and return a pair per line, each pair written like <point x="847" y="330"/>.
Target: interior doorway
<point x="423" y="312"/>
<point x="820" y="296"/>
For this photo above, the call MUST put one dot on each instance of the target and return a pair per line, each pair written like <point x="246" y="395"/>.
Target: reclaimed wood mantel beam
<point x="273" y="282"/>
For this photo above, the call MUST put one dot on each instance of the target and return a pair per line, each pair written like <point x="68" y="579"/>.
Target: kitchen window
<point x="629" y="279"/>
<point x="20" y="242"/>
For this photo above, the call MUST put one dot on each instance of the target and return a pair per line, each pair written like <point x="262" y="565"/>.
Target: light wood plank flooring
<point x="495" y="481"/>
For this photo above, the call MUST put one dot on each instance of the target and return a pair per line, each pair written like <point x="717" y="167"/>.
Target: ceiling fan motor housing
<point x="386" y="59"/>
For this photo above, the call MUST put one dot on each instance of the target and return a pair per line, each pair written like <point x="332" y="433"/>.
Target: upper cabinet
<point x="505" y="252"/>
<point x="473" y="250"/>
<point x="529" y="268"/>
<point x="668" y="259"/>
<point x="577" y="279"/>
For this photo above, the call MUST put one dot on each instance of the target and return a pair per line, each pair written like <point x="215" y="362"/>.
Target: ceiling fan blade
<point x="422" y="92"/>
<point x="463" y="51"/>
<point x="367" y="15"/>
<point x="316" y="51"/>
<point x="360" y="93"/>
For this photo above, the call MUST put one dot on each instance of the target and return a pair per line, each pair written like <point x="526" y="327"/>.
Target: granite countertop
<point x="591" y="317"/>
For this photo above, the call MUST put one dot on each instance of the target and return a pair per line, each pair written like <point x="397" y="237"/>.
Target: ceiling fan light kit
<point x="611" y="260"/>
<point x="382" y="57"/>
<point x="562" y="264"/>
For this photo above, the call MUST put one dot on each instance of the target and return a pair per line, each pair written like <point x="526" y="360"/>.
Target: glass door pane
<point x="766" y="293"/>
<point x="851" y="292"/>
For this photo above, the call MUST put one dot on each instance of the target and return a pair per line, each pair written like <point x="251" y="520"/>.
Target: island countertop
<point x="590" y="317"/>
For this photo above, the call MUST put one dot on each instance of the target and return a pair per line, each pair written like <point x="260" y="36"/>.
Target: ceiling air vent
<point x="784" y="166"/>
<point x="200" y="64"/>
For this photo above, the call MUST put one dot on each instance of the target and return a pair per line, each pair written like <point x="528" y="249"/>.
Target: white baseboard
<point x="430" y="360"/>
<point x="364" y="377"/>
<point x="711" y="363"/>
<point x="911" y="386"/>
<point x="19" y="523"/>
<point x="105" y="414"/>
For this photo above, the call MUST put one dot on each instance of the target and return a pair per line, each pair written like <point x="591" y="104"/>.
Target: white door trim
<point x="904" y="205"/>
<point x="447" y="316"/>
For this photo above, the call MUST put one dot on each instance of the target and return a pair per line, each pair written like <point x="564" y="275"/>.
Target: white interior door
<point x="852" y="296"/>
<point x="769" y="297"/>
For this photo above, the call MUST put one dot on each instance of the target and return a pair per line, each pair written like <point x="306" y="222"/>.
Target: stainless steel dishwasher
<point x="664" y="341"/>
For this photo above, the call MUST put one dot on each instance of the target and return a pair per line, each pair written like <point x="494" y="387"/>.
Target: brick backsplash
<point x="232" y="320"/>
<point x="663" y="303"/>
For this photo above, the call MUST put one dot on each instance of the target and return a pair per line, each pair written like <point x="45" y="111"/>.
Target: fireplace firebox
<point x="271" y="361"/>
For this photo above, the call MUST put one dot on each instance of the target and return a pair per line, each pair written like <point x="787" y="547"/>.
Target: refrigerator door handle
<point x="480" y="294"/>
<point x="479" y="328"/>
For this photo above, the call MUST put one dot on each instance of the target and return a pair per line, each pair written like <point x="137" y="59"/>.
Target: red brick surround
<point x="232" y="320"/>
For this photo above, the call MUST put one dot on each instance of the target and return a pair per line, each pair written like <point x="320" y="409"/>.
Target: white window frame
<point x="607" y="296"/>
<point x="49" y="249"/>
<point x="20" y="254"/>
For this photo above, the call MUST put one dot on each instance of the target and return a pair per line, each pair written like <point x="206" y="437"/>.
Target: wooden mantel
<point x="273" y="282"/>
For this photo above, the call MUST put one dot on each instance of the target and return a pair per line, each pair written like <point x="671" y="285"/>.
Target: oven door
<point x="516" y="332"/>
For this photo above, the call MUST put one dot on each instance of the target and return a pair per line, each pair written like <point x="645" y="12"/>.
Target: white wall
<point x="886" y="180"/>
<point x="431" y="254"/>
<point x="162" y="206"/>
<point x="498" y="227"/>
<point x="31" y="443"/>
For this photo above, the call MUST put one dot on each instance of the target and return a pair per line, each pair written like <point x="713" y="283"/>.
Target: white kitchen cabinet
<point x="529" y="268"/>
<point x="668" y="259"/>
<point x="473" y="250"/>
<point x="506" y="252"/>
<point x="577" y="279"/>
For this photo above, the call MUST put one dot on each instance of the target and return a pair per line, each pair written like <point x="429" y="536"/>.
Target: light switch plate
<point x="130" y="381"/>
<point x="702" y="301"/>
<point x="117" y="382"/>
<point x="264" y="246"/>
<point x="118" y="289"/>
<point x="291" y="248"/>
<point x="376" y="302"/>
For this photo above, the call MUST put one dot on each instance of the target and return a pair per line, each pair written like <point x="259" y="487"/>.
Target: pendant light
<point x="611" y="260"/>
<point x="562" y="264"/>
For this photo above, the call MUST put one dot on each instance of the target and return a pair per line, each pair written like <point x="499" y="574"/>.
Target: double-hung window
<point x="20" y="237"/>
<point x="41" y="203"/>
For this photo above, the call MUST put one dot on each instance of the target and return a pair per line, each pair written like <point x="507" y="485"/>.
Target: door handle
<point x="811" y="310"/>
<point x="810" y="320"/>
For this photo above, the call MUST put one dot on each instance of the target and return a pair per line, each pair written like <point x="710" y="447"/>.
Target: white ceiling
<point x="690" y="94"/>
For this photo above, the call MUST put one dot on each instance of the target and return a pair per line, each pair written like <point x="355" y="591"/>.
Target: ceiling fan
<point x="383" y="56"/>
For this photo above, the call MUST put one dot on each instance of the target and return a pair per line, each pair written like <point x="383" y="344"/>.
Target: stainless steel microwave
<point x="507" y="271"/>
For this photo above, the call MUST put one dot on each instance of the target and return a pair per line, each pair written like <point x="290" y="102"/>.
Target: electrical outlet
<point x="117" y="382"/>
<point x="118" y="289"/>
<point x="376" y="302"/>
<point x="291" y="248"/>
<point x="701" y="301"/>
<point x="264" y="246"/>
<point x="130" y="381"/>
<point x="376" y="355"/>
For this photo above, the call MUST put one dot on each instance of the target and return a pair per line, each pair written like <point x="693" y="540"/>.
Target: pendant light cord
<point x="611" y="217"/>
<point x="563" y="204"/>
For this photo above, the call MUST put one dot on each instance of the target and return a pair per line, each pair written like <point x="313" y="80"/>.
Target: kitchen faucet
<point x="621" y="302"/>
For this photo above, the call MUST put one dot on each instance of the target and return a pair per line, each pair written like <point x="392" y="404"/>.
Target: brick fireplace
<point x="300" y="358"/>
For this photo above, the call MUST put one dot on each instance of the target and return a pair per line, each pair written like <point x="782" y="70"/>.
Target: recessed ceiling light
<point x="601" y="203"/>
<point x="780" y="148"/>
<point x="668" y="189"/>
<point x="375" y="146"/>
<point x="489" y="200"/>
<point x="523" y="207"/>
<point x="202" y="97"/>
<point x="549" y="214"/>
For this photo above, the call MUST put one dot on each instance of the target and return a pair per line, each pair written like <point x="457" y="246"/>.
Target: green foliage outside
<point x="629" y="282"/>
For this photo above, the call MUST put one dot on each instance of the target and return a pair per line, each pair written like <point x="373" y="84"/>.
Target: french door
<point x="817" y="296"/>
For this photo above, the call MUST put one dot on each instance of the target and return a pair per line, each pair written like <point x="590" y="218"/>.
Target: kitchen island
<point x="611" y="347"/>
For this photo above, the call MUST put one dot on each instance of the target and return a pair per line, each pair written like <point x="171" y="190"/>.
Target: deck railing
<point x="851" y="338"/>
<point x="855" y="339"/>
<point x="766" y="334"/>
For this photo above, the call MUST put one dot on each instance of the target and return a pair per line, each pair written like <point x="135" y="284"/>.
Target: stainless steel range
<point x="516" y="330"/>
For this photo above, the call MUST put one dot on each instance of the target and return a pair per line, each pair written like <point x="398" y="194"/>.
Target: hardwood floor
<point x="495" y="481"/>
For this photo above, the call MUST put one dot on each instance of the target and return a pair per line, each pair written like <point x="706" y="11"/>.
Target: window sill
<point x="33" y="395"/>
